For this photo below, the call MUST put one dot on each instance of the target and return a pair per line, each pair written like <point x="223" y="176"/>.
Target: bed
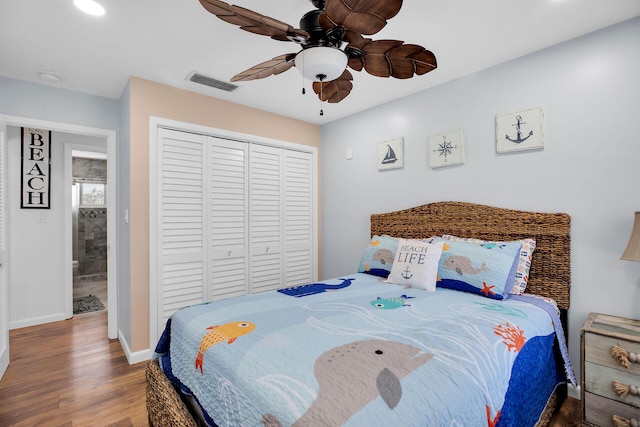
<point x="356" y="350"/>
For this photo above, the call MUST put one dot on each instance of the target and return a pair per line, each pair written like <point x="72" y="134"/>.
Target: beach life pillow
<point x="524" y="260"/>
<point x="416" y="264"/>
<point x="378" y="256"/>
<point x="485" y="270"/>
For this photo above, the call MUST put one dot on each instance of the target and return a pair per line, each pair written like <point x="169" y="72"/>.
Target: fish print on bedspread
<point x="389" y="303"/>
<point x="228" y="332"/>
<point x="314" y="288"/>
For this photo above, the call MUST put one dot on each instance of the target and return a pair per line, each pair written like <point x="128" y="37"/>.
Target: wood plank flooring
<point x="70" y="374"/>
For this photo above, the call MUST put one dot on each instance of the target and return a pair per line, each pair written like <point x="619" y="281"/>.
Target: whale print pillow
<point x="524" y="260"/>
<point x="416" y="264"/>
<point x="484" y="270"/>
<point x="378" y="257"/>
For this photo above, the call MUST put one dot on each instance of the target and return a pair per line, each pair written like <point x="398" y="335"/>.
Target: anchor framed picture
<point x="391" y="154"/>
<point x="446" y="149"/>
<point x="519" y="131"/>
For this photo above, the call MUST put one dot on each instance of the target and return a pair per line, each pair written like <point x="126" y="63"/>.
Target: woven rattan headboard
<point x="550" y="273"/>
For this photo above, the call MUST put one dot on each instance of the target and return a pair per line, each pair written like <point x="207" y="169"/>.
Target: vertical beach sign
<point x="36" y="169"/>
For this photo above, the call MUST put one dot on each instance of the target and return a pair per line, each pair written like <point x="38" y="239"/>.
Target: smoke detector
<point x="49" y="76"/>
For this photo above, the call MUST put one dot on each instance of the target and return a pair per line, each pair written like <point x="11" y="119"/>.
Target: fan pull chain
<point x="321" y="78"/>
<point x="304" y="91"/>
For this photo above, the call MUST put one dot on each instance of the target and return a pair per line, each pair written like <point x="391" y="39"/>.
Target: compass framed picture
<point x="446" y="149"/>
<point x="519" y="131"/>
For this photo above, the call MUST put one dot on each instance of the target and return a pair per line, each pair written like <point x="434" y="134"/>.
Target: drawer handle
<point x="623" y="356"/>
<point x="623" y="389"/>
<point x="619" y="421"/>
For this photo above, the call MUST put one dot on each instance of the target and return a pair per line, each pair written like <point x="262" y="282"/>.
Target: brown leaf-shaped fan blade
<point x="362" y="16"/>
<point x="335" y="90"/>
<point x="393" y="58"/>
<point x="254" y="22"/>
<point x="274" y="66"/>
<point x="376" y="61"/>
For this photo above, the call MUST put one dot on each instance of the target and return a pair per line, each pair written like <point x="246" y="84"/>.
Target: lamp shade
<point x="321" y="63"/>
<point x="632" y="253"/>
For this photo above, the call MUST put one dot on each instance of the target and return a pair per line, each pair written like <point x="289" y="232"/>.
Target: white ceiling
<point x="164" y="40"/>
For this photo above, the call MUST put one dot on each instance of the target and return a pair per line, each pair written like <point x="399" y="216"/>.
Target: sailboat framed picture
<point x="446" y="149"/>
<point x="391" y="154"/>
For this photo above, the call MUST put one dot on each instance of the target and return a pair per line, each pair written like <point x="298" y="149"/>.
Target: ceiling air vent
<point x="211" y="82"/>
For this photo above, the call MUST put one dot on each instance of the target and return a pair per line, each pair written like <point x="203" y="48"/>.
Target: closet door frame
<point x="156" y="123"/>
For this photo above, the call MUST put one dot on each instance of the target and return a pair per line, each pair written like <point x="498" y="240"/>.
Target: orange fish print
<point x="227" y="332"/>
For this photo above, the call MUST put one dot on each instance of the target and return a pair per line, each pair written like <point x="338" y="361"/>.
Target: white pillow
<point x="416" y="264"/>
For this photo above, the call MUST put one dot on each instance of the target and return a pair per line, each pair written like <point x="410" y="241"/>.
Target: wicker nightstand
<point x="610" y="367"/>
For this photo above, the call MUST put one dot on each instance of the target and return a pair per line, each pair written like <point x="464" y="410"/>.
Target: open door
<point x="4" y="300"/>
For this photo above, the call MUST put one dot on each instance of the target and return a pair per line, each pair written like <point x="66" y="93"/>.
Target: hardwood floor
<point x="69" y="374"/>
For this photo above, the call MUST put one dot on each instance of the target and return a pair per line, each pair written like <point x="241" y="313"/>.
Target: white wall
<point x="36" y="236"/>
<point x="589" y="91"/>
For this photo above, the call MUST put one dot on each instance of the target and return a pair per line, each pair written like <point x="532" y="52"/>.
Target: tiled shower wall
<point x="91" y="238"/>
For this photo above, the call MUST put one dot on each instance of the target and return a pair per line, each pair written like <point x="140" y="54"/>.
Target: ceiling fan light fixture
<point x="321" y="63"/>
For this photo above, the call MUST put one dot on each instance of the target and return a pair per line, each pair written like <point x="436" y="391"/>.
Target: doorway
<point x="89" y="231"/>
<point x="109" y="137"/>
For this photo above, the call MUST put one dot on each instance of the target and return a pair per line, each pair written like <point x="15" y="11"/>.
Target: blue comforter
<point x="357" y="351"/>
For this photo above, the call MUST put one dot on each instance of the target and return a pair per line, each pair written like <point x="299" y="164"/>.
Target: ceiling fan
<point x="332" y="38"/>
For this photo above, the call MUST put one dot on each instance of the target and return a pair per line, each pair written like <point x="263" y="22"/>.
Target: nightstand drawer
<point x="598" y="350"/>
<point x="600" y="410"/>
<point x="600" y="370"/>
<point x="599" y="380"/>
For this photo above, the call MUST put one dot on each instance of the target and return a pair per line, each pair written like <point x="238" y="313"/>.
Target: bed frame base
<point x="549" y="276"/>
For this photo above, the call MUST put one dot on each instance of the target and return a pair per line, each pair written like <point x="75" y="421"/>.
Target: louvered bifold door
<point x="298" y="217"/>
<point x="265" y="218"/>
<point x="228" y="218"/>
<point x="182" y="225"/>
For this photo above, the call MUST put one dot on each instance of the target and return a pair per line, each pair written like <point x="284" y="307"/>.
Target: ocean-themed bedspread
<point x="356" y="351"/>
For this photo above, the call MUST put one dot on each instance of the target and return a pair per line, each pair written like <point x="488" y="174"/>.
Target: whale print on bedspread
<point x="376" y="366"/>
<point x="314" y="288"/>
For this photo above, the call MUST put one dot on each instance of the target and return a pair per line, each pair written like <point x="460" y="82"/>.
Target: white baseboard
<point x="133" y="358"/>
<point x="573" y="391"/>
<point x="34" y="321"/>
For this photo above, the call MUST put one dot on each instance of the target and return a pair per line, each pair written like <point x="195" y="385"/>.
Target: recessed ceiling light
<point x="89" y="6"/>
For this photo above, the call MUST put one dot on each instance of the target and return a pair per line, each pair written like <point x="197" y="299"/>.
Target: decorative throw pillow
<point x="486" y="270"/>
<point x="378" y="256"/>
<point x="524" y="260"/>
<point x="416" y="264"/>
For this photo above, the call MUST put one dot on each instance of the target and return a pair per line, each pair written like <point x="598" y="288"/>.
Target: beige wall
<point x="154" y="99"/>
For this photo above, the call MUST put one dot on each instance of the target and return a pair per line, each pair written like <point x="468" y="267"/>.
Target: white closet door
<point x="228" y="219"/>
<point x="298" y="218"/>
<point x="265" y="218"/>
<point x="182" y="225"/>
<point x="4" y="303"/>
